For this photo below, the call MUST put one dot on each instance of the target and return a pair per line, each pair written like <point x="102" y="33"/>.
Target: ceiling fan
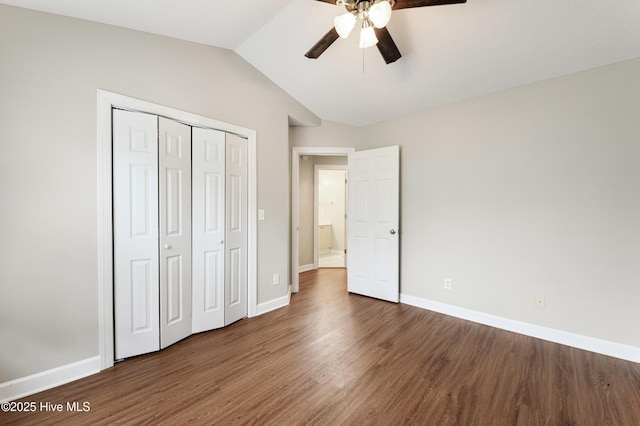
<point x="373" y="16"/>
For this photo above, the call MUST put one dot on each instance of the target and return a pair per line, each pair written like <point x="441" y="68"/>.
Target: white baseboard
<point x="305" y="268"/>
<point x="39" y="382"/>
<point x="274" y="304"/>
<point x="592" y="344"/>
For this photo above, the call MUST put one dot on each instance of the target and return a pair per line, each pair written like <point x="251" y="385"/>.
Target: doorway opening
<point x="299" y="218"/>
<point x="331" y="216"/>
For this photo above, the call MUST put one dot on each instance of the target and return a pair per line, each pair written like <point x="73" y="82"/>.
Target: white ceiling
<point x="450" y="53"/>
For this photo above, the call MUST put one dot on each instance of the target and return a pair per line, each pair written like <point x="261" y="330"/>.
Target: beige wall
<point x="50" y="69"/>
<point x="328" y="134"/>
<point x="305" y="211"/>
<point x="532" y="191"/>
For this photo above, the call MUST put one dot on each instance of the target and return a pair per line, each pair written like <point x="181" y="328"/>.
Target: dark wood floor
<point x="334" y="358"/>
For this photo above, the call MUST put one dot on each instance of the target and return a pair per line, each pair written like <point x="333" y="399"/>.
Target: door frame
<point x="316" y="208"/>
<point x="105" y="102"/>
<point x="296" y="153"/>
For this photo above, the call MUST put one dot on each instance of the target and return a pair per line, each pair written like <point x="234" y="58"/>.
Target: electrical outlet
<point x="447" y="283"/>
<point x="540" y="302"/>
<point x="276" y="279"/>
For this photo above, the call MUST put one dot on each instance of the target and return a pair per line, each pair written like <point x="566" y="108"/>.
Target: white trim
<point x="105" y="102"/>
<point x="296" y="152"/>
<point x="274" y="304"/>
<point x="105" y="230"/>
<point x="305" y="268"/>
<point x="592" y="344"/>
<point x="44" y="380"/>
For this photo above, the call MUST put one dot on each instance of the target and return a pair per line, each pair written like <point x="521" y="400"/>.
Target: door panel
<point x="373" y="237"/>
<point x="235" y="276"/>
<point x="175" y="231"/>
<point x="208" y="228"/>
<point x="173" y="192"/>
<point x="175" y="289"/>
<point x="142" y="291"/>
<point x="236" y="233"/>
<point x="135" y="218"/>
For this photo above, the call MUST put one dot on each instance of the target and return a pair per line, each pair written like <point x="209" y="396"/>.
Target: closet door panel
<point x="236" y="232"/>
<point x="174" y="156"/>
<point x="208" y="220"/>
<point x="135" y="217"/>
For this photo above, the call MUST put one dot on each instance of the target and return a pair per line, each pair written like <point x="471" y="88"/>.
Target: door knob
<point x="167" y="246"/>
<point x="392" y="232"/>
<point x="221" y="241"/>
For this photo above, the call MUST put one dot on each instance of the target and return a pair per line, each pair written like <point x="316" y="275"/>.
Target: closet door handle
<point x="221" y="242"/>
<point x="167" y="246"/>
<point x="392" y="232"/>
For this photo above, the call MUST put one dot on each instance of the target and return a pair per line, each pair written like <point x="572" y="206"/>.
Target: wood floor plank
<point x="335" y="358"/>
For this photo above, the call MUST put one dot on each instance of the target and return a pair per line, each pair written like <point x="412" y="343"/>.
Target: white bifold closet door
<point x="174" y="146"/>
<point x="219" y="229"/>
<point x="135" y="233"/>
<point x="180" y="231"/>
<point x="236" y="266"/>
<point x="152" y="232"/>
<point x="208" y="228"/>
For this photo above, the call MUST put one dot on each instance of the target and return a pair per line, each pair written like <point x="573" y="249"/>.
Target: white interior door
<point x="373" y="221"/>
<point x="236" y="229"/>
<point x="208" y="200"/>
<point x="174" y="144"/>
<point x="135" y="218"/>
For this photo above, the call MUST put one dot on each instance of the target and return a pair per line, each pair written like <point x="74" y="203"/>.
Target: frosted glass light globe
<point x="380" y="13"/>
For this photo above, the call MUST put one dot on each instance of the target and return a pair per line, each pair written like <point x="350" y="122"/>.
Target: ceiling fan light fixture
<point x="380" y="13"/>
<point x="373" y="17"/>
<point x="344" y="24"/>
<point x="367" y="36"/>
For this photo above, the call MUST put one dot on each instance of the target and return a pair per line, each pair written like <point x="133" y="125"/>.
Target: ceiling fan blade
<point x="328" y="1"/>
<point x="407" y="4"/>
<point x="387" y="46"/>
<point x="322" y="45"/>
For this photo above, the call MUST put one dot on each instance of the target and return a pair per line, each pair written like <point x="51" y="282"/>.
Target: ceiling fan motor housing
<point x="360" y="5"/>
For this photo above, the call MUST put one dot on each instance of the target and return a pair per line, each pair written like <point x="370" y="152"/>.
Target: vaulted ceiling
<point x="449" y="53"/>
